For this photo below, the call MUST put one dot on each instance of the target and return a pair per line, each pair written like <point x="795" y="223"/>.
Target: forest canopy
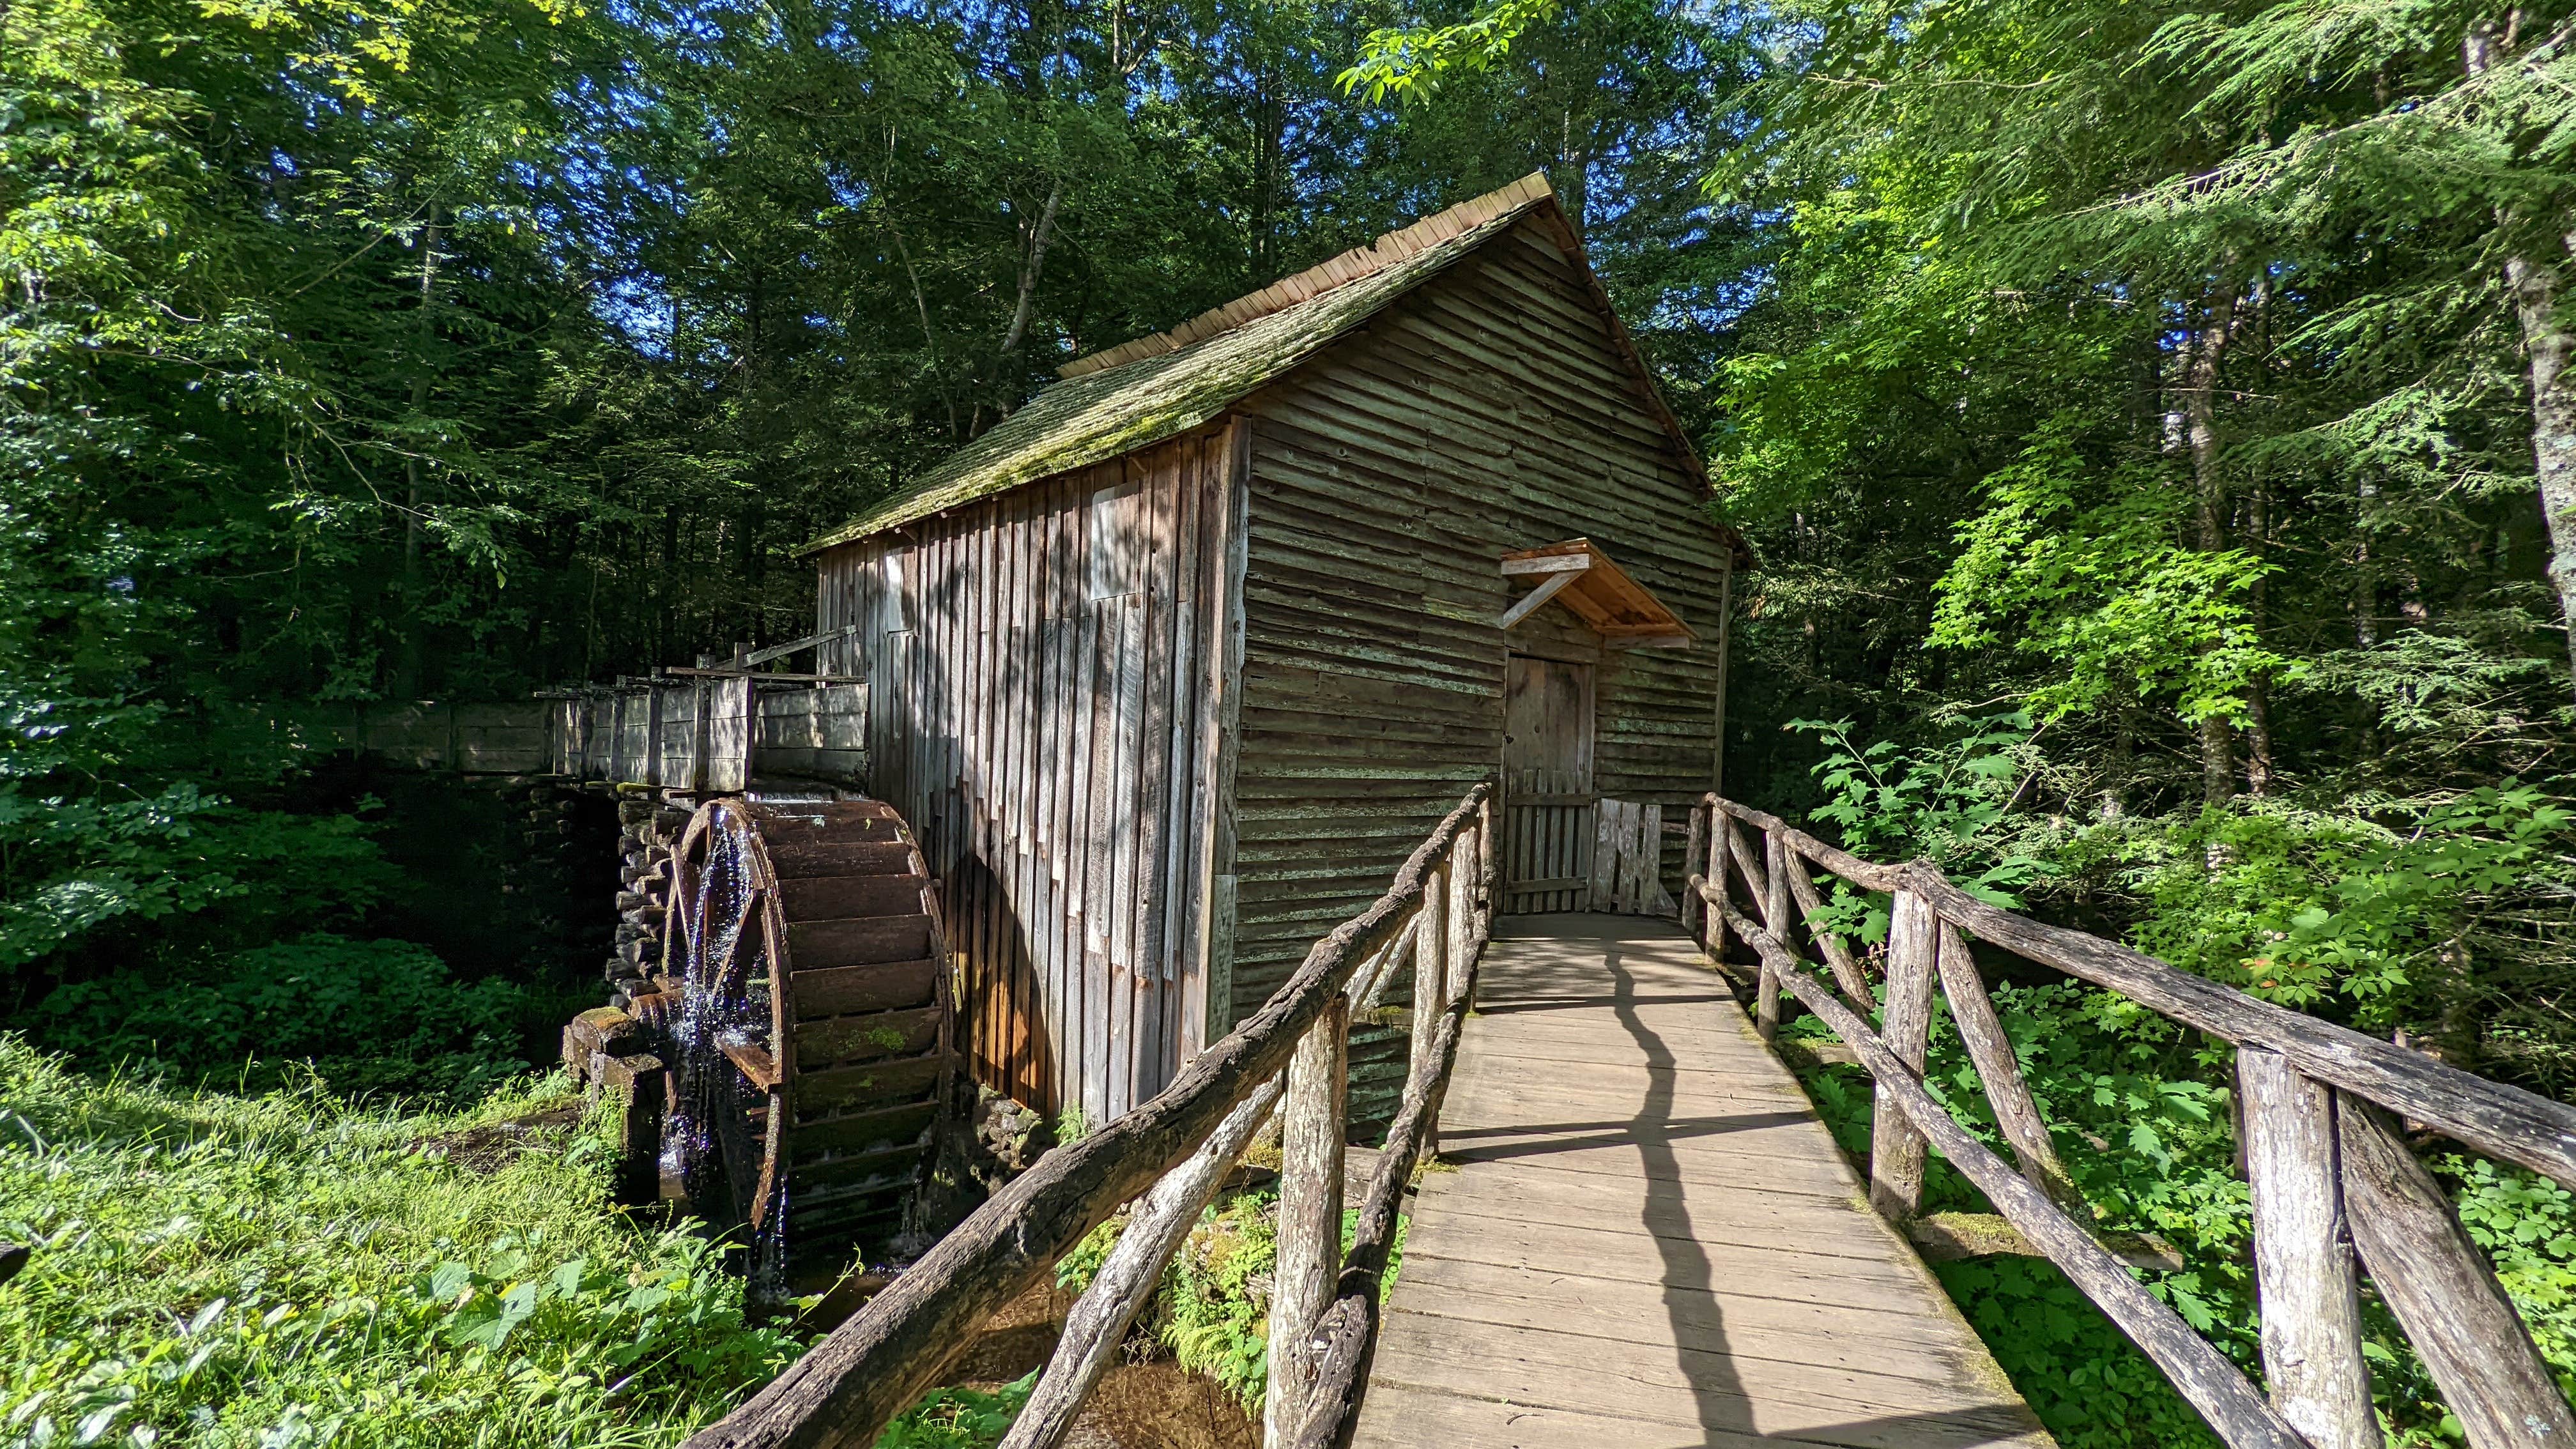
<point x="2150" y="419"/>
<point x="393" y="351"/>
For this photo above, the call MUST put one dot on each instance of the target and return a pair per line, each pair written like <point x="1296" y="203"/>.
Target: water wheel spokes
<point x="813" y="1027"/>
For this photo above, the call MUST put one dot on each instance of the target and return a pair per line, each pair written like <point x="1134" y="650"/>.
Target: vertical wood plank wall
<point x="1045" y="716"/>
<point x="1486" y="412"/>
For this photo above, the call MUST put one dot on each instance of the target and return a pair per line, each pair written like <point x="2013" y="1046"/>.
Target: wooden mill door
<point x="1549" y="805"/>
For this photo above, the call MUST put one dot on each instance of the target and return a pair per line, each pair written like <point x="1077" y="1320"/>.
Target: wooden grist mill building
<point x="1172" y="667"/>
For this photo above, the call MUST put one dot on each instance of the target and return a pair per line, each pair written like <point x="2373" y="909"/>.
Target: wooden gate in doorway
<point x="1550" y="809"/>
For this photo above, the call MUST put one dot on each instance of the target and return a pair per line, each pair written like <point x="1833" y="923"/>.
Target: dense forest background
<point x="2149" y="417"/>
<point x="458" y="349"/>
<point x="2134" y="407"/>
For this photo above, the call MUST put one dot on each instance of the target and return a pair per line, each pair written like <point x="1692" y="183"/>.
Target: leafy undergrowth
<point x="367" y="1017"/>
<point x="1212" y="1310"/>
<point x="292" y="1269"/>
<point x="960" y="1418"/>
<point x="2141" y="1115"/>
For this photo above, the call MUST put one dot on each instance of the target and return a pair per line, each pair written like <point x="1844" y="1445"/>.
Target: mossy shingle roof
<point x="1160" y="387"/>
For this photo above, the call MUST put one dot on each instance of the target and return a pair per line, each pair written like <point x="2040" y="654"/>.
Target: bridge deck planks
<point x="1650" y="1239"/>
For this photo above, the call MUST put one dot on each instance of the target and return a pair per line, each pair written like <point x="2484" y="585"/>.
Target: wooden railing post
<point x="1433" y="972"/>
<point x="651" y="773"/>
<point x="1757" y="885"/>
<point x="1775" y="919"/>
<point x="1694" y="910"/>
<point x="1310" y="1215"/>
<point x="1459" y="881"/>
<point x="1714" y="872"/>
<point x="702" y="728"/>
<point x="2438" y="1284"/>
<point x="1895" y="1147"/>
<point x="2000" y="1073"/>
<point x="1430" y="963"/>
<point x="2311" y="1306"/>
<point x="1341" y="1338"/>
<point x="1488" y="883"/>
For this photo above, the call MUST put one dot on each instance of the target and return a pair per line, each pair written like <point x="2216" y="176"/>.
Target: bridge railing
<point x="713" y="727"/>
<point x="1168" y="1157"/>
<point x="2328" y="1168"/>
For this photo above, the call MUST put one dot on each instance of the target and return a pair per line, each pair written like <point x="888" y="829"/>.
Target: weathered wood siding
<point x="1489" y="411"/>
<point x="709" y="734"/>
<point x="1046" y="670"/>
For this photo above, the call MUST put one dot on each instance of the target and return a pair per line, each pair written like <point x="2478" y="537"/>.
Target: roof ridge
<point x="1339" y="271"/>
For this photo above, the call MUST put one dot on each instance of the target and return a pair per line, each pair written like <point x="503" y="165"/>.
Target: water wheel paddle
<point x="808" y="999"/>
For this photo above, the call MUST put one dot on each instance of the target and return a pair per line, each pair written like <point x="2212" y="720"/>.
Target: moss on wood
<point x="1100" y="415"/>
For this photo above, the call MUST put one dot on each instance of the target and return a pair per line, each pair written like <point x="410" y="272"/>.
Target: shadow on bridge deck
<point x="1650" y="1239"/>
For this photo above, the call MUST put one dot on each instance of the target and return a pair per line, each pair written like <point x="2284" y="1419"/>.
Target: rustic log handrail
<point x="2499" y="1120"/>
<point x="1344" y="1338"/>
<point x="848" y="1387"/>
<point x="2321" y="1155"/>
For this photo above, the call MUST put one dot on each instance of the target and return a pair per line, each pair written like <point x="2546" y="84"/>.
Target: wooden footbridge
<point x="1649" y="1239"/>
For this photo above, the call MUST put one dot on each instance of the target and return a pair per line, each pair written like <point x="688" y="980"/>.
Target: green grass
<point x="297" y="1269"/>
<point x="292" y="1269"/>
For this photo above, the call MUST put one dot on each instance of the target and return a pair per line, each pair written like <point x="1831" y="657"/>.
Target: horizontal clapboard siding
<point x="1046" y="671"/>
<point x="1489" y="411"/>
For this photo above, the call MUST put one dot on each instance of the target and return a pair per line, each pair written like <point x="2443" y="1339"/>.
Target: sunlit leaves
<point x="2349" y="917"/>
<point x="1947" y="802"/>
<point x="1409" y="62"/>
<point x="2087" y="569"/>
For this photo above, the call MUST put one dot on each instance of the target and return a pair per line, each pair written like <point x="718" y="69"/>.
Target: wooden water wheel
<point x="806" y="993"/>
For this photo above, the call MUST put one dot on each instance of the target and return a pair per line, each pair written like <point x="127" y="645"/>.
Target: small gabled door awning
<point x="1583" y="579"/>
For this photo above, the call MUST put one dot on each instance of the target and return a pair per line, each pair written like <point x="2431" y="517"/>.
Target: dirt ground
<point x="486" y="1150"/>
<point x="1161" y="1406"/>
<point x="1153" y="1405"/>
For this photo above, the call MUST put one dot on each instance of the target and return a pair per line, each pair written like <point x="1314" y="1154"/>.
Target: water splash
<point x="712" y="1144"/>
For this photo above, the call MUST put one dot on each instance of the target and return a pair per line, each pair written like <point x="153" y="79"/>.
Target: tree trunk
<point x="929" y="338"/>
<point x="2461" y="1031"/>
<point x="2123" y="767"/>
<point x="1573" y="169"/>
<point x="1269" y="170"/>
<point x="2201" y="368"/>
<point x="2258" y="691"/>
<point x="2365" y="603"/>
<point x="2549" y="341"/>
<point x="1032" y="268"/>
<point x="415" y="486"/>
